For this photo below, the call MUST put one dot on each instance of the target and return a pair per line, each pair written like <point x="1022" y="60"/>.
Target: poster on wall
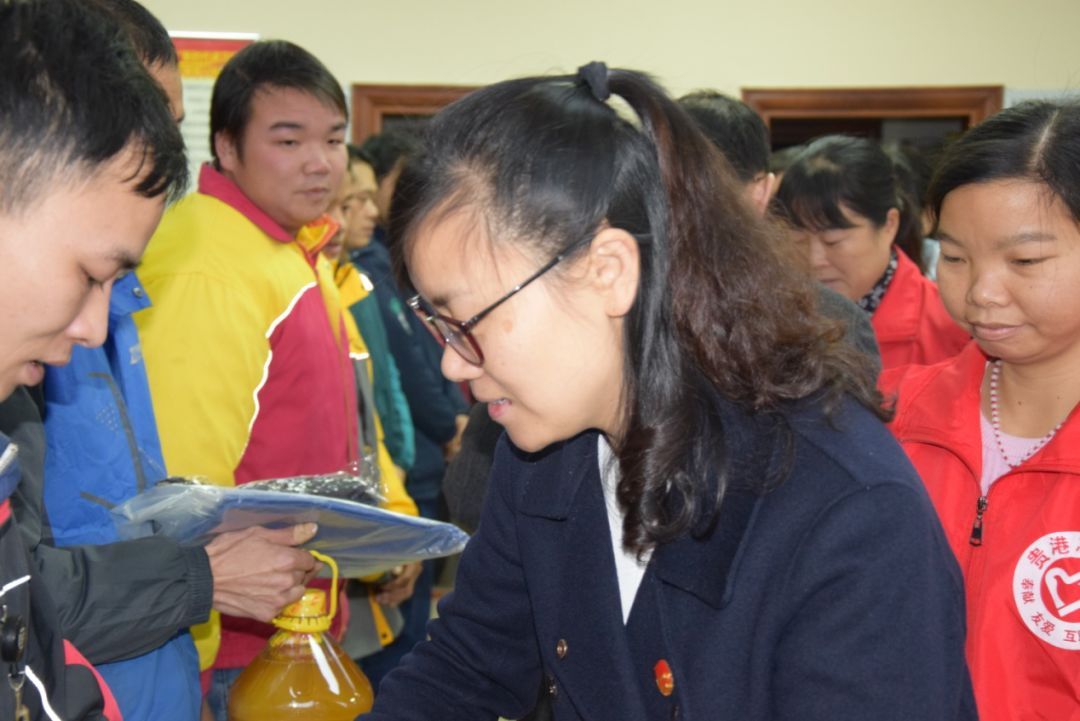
<point x="202" y="55"/>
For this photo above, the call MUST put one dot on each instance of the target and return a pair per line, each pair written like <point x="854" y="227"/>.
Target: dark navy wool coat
<point x="834" y="596"/>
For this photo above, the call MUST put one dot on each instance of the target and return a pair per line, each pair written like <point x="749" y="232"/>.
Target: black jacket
<point x="114" y="601"/>
<point x="33" y="653"/>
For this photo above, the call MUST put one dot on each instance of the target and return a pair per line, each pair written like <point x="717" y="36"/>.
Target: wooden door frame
<point x="371" y="103"/>
<point x="972" y="103"/>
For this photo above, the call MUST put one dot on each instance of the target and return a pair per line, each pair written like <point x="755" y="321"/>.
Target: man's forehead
<point x="364" y="174"/>
<point x="275" y="105"/>
<point x="116" y="219"/>
<point x="53" y="186"/>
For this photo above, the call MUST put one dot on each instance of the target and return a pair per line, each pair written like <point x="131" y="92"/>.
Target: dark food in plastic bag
<point x="332" y="485"/>
<point x="343" y="485"/>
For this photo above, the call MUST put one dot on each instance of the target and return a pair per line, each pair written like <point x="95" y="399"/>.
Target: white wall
<point x="1027" y="45"/>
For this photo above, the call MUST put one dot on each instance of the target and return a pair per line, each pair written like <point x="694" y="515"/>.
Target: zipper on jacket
<point x="10" y="453"/>
<point x="977" y="527"/>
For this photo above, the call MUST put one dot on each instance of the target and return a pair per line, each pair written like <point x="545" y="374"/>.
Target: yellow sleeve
<point x="207" y="638"/>
<point x="393" y="480"/>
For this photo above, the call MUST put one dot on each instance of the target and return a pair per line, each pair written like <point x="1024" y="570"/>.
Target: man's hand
<point x="399" y="588"/>
<point x="257" y="572"/>
<point x="453" y="446"/>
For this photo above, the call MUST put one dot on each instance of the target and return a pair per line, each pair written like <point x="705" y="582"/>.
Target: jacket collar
<point x="566" y="465"/>
<point x="702" y="566"/>
<point x="706" y="565"/>
<point x="311" y="238"/>
<point x="374" y="258"/>
<point x="901" y="309"/>
<point x="216" y="184"/>
<point x="944" y="410"/>
<point x="128" y="296"/>
<point x="350" y="283"/>
<point x="315" y="235"/>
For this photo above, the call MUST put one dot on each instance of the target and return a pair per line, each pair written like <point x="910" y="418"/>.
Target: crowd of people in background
<point x="786" y="433"/>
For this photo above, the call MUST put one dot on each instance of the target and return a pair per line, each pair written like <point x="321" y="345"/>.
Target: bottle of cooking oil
<point x="302" y="673"/>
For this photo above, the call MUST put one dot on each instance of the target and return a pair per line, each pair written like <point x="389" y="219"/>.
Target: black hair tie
<point x="595" y="75"/>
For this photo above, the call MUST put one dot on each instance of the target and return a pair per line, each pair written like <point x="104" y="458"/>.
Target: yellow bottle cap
<point x="308" y="615"/>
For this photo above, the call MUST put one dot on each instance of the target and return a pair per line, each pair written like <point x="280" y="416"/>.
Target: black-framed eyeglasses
<point x="458" y="334"/>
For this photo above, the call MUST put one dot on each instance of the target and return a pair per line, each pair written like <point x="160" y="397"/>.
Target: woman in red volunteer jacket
<point x="847" y="211"/>
<point x="995" y="431"/>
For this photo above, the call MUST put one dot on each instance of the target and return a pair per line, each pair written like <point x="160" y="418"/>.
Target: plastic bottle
<point x="302" y="673"/>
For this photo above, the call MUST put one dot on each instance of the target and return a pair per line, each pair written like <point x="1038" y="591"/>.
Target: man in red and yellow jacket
<point x="246" y="351"/>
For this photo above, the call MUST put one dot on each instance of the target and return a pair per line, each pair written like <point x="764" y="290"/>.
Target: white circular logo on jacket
<point x="1046" y="586"/>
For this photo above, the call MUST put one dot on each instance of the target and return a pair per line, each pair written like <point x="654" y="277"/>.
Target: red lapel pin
<point x="664" y="680"/>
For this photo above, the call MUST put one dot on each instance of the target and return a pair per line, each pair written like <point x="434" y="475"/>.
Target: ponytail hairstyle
<point x="1036" y="140"/>
<point x="837" y="170"/>
<point x="545" y="162"/>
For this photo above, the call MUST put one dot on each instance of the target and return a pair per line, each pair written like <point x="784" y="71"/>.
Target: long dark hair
<point x="1036" y="140"/>
<point x="546" y="161"/>
<point x="852" y="171"/>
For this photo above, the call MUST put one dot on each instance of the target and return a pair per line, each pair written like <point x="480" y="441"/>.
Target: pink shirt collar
<point x="214" y="183"/>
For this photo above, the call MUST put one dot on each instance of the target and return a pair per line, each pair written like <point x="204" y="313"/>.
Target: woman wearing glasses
<point x="695" y="511"/>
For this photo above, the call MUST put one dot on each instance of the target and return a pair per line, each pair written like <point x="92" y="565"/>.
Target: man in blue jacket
<point x="126" y="605"/>
<point x="102" y="443"/>
<point x="82" y="186"/>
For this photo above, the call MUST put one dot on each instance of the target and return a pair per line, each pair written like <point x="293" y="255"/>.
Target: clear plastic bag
<point x="351" y="484"/>
<point x="362" y="538"/>
<point x="343" y="484"/>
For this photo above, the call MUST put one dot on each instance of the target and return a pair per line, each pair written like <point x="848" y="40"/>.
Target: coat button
<point x="137" y="292"/>
<point x="553" y="690"/>
<point x="12" y="639"/>
<point x="561" y="648"/>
